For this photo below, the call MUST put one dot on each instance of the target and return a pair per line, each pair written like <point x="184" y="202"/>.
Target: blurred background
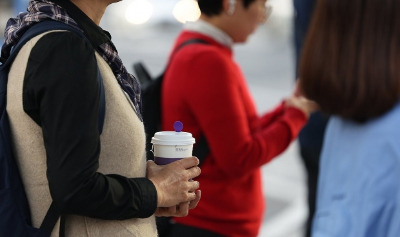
<point x="144" y="30"/>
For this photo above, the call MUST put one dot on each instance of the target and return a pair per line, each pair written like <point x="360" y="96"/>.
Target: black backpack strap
<point x="37" y="29"/>
<point x="53" y="214"/>
<point x="50" y="219"/>
<point x="190" y="41"/>
<point x="45" y="26"/>
<point x="62" y="227"/>
<point x="143" y="74"/>
<point x="201" y="150"/>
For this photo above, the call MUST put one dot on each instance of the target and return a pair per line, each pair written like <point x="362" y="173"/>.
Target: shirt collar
<point x="96" y="35"/>
<point x="206" y="28"/>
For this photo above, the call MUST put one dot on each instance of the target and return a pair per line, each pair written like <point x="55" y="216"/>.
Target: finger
<point x="193" y="172"/>
<point x="188" y="196"/>
<point x="187" y="162"/>
<point x="194" y="203"/>
<point x="160" y="211"/>
<point x="151" y="169"/>
<point x="182" y="209"/>
<point x="166" y="211"/>
<point x="193" y="185"/>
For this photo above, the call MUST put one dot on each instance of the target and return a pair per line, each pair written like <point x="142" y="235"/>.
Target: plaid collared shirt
<point x="41" y="10"/>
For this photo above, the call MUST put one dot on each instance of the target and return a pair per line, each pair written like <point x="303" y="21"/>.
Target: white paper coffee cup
<point x="169" y="146"/>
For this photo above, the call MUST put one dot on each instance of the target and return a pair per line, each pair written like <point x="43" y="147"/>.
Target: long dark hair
<point x="350" y="64"/>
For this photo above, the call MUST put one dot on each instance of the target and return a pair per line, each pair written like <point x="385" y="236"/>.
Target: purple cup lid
<point x="178" y="126"/>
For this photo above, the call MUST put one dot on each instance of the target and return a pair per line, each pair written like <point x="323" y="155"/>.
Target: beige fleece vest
<point x="122" y="152"/>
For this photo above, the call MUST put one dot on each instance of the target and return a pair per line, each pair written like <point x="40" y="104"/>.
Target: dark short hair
<point x="351" y="57"/>
<point x="214" y="7"/>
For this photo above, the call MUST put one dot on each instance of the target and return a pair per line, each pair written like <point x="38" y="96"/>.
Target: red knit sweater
<point x="206" y="90"/>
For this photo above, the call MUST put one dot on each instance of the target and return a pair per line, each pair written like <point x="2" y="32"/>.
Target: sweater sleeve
<point x="61" y="95"/>
<point x="240" y="141"/>
<point x="294" y="117"/>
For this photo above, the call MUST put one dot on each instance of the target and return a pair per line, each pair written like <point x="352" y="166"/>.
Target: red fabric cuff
<point x="296" y="119"/>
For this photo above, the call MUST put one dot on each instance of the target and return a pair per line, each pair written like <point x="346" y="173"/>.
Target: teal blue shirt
<point x="359" y="184"/>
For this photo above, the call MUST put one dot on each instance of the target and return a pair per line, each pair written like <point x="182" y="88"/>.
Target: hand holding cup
<point x="176" y="190"/>
<point x="173" y="170"/>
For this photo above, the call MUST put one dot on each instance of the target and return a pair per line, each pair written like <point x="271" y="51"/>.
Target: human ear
<point x="231" y="7"/>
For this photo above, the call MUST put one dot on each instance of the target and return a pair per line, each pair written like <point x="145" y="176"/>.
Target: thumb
<point x="151" y="163"/>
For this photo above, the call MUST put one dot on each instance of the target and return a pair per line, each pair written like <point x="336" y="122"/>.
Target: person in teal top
<point x="350" y="66"/>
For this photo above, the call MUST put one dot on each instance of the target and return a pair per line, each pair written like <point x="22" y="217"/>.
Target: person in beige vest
<point x="100" y="183"/>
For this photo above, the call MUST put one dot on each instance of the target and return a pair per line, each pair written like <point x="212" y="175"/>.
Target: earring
<point x="231" y="9"/>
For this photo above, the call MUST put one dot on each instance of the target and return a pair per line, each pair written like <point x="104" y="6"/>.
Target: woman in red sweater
<point x="206" y="90"/>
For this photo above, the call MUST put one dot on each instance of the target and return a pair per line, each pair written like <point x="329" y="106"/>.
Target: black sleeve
<point x="61" y="95"/>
